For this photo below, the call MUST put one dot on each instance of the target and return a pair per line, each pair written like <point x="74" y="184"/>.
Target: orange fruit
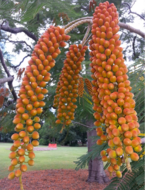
<point x="21" y="159"/>
<point x="29" y="147"/>
<point x="37" y="126"/>
<point x="15" y="136"/>
<point x="12" y="155"/>
<point x="30" y="129"/>
<point x="30" y="162"/>
<point x="31" y="155"/>
<point x="35" y="135"/>
<point x="18" y="173"/>
<point x="11" y="175"/>
<point x="23" y="168"/>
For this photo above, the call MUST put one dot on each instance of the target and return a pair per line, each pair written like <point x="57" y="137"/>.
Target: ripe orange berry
<point x="121" y="120"/>
<point x="13" y="148"/>
<point x="119" y="151"/>
<point x="36" y="119"/>
<point x="31" y="162"/>
<point x="110" y="169"/>
<point x="29" y="107"/>
<point x="19" y="126"/>
<point x="33" y="112"/>
<point x="39" y="110"/>
<point x="20" y="110"/>
<point x="22" y="134"/>
<point x="35" y="143"/>
<point x="12" y="155"/>
<point x="21" y="159"/>
<point x="11" y="175"/>
<point x="15" y="136"/>
<point x="23" y="168"/>
<point x="134" y="156"/>
<point x="25" y="116"/>
<point x="29" y="122"/>
<point x="26" y="139"/>
<point x="129" y="149"/>
<point x="18" y="173"/>
<point x="11" y="168"/>
<point x="30" y="129"/>
<point x="14" y="162"/>
<point x="21" y="152"/>
<point x="37" y="126"/>
<point x="29" y="147"/>
<point x="35" y="135"/>
<point x="116" y="140"/>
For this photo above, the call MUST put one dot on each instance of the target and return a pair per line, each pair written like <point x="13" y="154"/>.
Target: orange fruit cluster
<point x="113" y="101"/>
<point x="67" y="89"/>
<point x="81" y="87"/>
<point x="89" y="86"/>
<point x="31" y="95"/>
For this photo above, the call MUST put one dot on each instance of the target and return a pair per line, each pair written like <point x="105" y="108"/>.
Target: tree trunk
<point x="96" y="171"/>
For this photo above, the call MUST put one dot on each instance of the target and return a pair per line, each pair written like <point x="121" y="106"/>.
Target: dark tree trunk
<point x="96" y="171"/>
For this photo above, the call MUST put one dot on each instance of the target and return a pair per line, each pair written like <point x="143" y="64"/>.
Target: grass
<point x="62" y="158"/>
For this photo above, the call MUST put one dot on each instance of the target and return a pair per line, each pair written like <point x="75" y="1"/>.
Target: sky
<point x="138" y="7"/>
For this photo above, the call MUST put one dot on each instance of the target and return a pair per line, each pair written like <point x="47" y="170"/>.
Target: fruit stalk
<point x="21" y="184"/>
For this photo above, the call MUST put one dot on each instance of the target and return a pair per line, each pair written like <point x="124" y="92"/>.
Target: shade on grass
<point x="62" y="158"/>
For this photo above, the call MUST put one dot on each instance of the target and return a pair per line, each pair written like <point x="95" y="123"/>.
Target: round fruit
<point x="29" y="147"/>
<point x="23" y="168"/>
<point x="21" y="152"/>
<point x="11" y="168"/>
<point x="31" y="162"/>
<point x="11" y="175"/>
<point x="15" y="136"/>
<point x="21" y="159"/>
<point x="18" y="173"/>
<point x="31" y="155"/>
<point x="35" y="135"/>
<point x="35" y="143"/>
<point x="134" y="156"/>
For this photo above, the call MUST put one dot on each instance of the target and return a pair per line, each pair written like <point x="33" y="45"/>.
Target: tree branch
<point x="20" y="62"/>
<point x="133" y="12"/>
<point x="8" y="74"/>
<point x="86" y="34"/>
<point x="83" y="20"/>
<point x="80" y="124"/>
<point x="6" y="79"/>
<point x="133" y="45"/>
<point x="19" y="42"/>
<point x="7" y="28"/>
<point x="131" y="29"/>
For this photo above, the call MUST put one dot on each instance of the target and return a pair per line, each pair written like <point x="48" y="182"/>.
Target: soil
<point x="52" y="180"/>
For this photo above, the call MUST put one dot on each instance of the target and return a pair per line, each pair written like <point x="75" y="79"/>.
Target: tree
<point x="25" y="18"/>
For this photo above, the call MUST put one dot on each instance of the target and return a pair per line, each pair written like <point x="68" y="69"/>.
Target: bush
<point x="44" y="141"/>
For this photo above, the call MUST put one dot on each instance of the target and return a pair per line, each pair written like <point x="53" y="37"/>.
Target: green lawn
<point x="62" y="158"/>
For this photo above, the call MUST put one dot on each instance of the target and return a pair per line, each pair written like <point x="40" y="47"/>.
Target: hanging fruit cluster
<point x="113" y="101"/>
<point x="31" y="95"/>
<point x="81" y="87"/>
<point x="89" y="86"/>
<point x="67" y="88"/>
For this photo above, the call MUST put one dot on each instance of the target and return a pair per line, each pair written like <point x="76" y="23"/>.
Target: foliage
<point x="137" y="78"/>
<point x="131" y="180"/>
